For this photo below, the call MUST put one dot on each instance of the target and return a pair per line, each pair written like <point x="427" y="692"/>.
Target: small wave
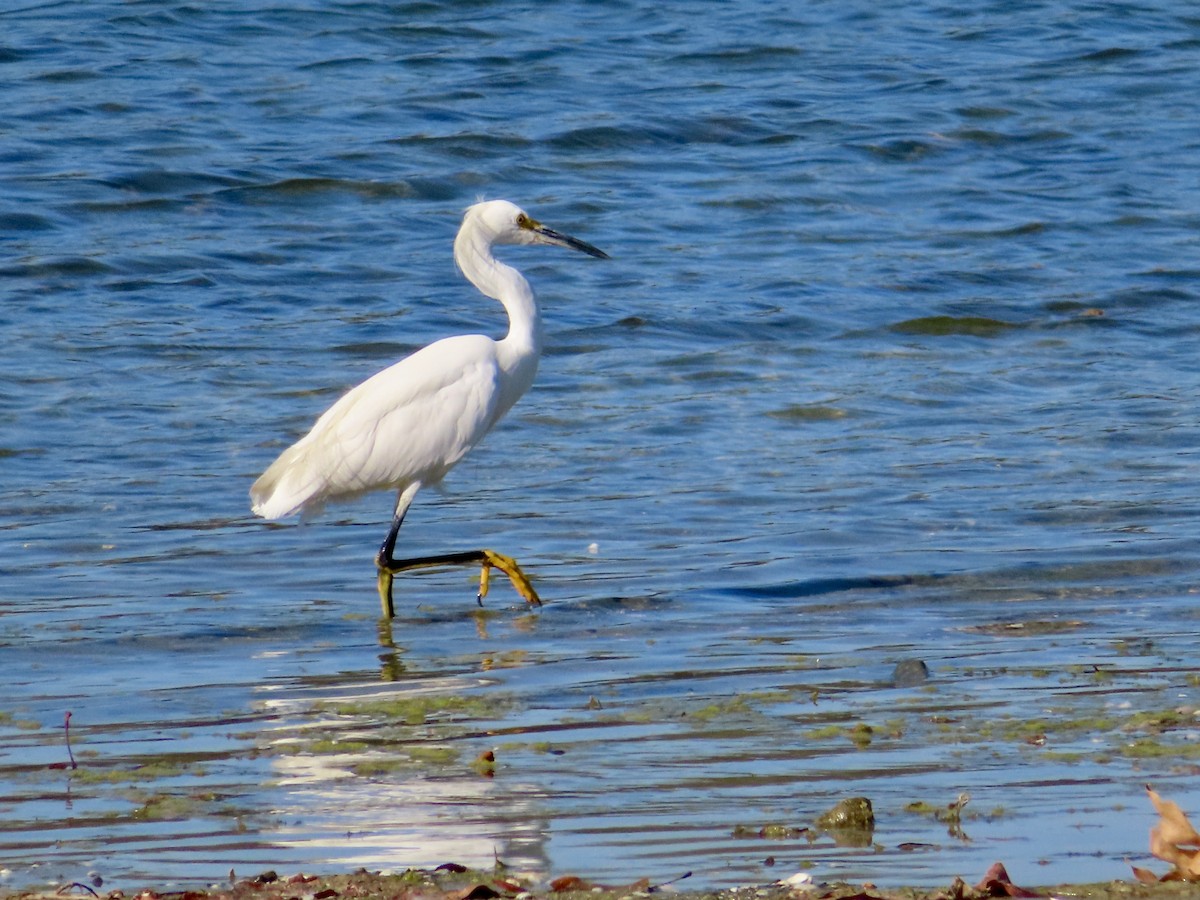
<point x="166" y="182"/>
<point x="940" y="326"/>
<point x="14" y="222"/>
<point x="303" y="187"/>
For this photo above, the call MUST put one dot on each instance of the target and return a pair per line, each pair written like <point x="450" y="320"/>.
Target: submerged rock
<point x="910" y="673"/>
<point x="850" y="822"/>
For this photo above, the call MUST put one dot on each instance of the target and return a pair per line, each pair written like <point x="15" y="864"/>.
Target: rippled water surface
<point x="895" y="360"/>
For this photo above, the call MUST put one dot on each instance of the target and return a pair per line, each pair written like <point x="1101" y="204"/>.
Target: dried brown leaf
<point x="1189" y="864"/>
<point x="478" y="892"/>
<point x="1173" y="839"/>
<point x="996" y="883"/>
<point x="1161" y="849"/>
<point x="569" y="883"/>
<point x="997" y="872"/>
<point x="1144" y="876"/>
<point x="1174" y="827"/>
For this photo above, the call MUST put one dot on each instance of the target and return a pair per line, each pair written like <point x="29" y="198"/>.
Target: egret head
<point x="502" y="222"/>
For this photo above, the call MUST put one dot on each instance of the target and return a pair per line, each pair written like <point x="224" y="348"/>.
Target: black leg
<point x="384" y="558"/>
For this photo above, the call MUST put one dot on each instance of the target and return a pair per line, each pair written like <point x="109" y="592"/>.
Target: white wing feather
<point x="409" y="423"/>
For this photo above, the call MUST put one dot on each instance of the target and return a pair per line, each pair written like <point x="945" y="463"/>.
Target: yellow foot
<point x="384" y="584"/>
<point x="509" y="567"/>
<point x="488" y="558"/>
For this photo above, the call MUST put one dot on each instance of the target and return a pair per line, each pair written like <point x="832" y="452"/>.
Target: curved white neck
<point x="473" y="254"/>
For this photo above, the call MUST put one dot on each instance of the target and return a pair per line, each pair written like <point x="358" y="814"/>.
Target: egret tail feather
<point x="287" y="487"/>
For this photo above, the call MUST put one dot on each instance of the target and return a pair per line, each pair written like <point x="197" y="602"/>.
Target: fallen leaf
<point x="478" y="892"/>
<point x="1173" y="826"/>
<point x="996" y="883"/>
<point x="569" y="883"/>
<point x="997" y="872"/>
<point x="1189" y="864"/>
<point x="1161" y="849"/>
<point x="1144" y="876"/>
<point x="1173" y="839"/>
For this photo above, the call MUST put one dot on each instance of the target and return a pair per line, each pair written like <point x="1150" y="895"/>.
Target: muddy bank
<point x="458" y="883"/>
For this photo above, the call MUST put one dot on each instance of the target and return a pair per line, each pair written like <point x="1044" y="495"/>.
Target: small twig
<point x="66" y="889"/>
<point x="67" y="733"/>
<point x="661" y="885"/>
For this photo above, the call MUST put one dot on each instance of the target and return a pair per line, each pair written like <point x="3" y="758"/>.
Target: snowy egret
<point x="408" y="425"/>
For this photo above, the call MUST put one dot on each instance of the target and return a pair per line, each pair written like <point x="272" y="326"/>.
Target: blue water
<point x="895" y="359"/>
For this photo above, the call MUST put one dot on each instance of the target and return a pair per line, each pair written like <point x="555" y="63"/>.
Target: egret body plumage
<point x="407" y="426"/>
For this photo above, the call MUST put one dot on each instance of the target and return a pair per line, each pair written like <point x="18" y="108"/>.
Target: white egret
<point x="407" y="426"/>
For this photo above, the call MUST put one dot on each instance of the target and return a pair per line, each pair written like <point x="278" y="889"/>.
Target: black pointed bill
<point x="550" y="236"/>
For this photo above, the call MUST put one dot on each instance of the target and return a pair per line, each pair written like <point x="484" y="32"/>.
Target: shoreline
<point x="452" y="882"/>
